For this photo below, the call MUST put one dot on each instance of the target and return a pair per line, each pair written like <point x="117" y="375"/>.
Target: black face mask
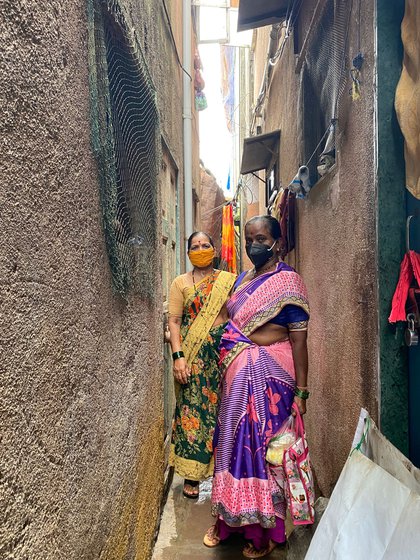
<point x="259" y="253"/>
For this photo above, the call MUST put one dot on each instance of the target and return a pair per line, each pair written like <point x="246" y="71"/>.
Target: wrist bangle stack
<point x="302" y="394"/>
<point x="177" y="355"/>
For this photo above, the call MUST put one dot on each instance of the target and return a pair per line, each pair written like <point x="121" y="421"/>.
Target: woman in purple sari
<point x="264" y="361"/>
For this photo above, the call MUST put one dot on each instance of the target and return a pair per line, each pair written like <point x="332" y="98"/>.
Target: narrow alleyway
<point x="184" y="523"/>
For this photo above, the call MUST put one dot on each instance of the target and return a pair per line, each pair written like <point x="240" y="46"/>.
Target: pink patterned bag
<point x="295" y="477"/>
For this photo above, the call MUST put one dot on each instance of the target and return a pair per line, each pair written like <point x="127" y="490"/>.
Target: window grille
<point x="323" y="79"/>
<point x="125" y="138"/>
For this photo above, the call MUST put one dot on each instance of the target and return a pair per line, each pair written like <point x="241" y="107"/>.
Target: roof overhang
<point x="259" y="151"/>
<point x="257" y="13"/>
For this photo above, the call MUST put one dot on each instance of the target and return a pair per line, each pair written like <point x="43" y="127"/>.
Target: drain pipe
<point x="187" y="116"/>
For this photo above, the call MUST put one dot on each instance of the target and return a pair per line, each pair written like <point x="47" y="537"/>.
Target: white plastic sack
<point x="371" y="514"/>
<point x="383" y="453"/>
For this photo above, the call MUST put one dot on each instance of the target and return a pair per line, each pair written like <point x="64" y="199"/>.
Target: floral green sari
<point x="197" y="401"/>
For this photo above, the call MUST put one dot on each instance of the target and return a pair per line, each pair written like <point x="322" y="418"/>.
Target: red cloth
<point x="410" y="268"/>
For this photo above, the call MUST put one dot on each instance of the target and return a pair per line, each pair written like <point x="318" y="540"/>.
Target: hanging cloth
<point x="284" y="209"/>
<point x="410" y="268"/>
<point x="228" y="256"/>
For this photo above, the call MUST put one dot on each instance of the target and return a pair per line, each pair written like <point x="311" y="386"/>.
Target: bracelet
<point x="301" y="394"/>
<point x="177" y="355"/>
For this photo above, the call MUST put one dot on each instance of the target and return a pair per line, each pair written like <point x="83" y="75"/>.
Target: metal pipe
<point x="187" y="117"/>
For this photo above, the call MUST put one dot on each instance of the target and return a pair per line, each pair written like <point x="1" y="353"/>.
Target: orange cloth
<point x="228" y="240"/>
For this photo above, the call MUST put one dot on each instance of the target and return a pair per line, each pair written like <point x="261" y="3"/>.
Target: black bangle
<point x="301" y="393"/>
<point x="177" y="355"/>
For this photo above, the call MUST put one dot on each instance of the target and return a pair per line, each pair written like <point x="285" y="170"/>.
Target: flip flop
<point x="195" y="489"/>
<point x="211" y="539"/>
<point x="249" y="551"/>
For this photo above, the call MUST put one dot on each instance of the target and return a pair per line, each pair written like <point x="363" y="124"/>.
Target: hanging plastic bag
<point x="291" y="468"/>
<point x="281" y="441"/>
<point x="299" y="482"/>
<point x="200" y="101"/>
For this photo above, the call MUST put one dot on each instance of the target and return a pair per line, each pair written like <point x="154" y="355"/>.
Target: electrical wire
<point x="250" y="192"/>
<point x="277" y="55"/>
<point x="274" y="59"/>
<point x="213" y="210"/>
<point x="286" y="25"/>
<point x="287" y="11"/>
<point x="173" y="40"/>
<point x="343" y="63"/>
<point x="318" y="145"/>
<point x="297" y="15"/>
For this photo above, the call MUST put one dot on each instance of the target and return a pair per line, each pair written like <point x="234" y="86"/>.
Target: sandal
<point x="191" y="489"/>
<point x="249" y="551"/>
<point x="211" y="538"/>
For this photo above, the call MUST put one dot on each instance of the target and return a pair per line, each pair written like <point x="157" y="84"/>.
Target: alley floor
<point x="184" y="523"/>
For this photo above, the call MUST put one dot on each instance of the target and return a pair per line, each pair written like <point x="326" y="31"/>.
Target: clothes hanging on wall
<point x="409" y="272"/>
<point x="228" y="255"/>
<point x="284" y="208"/>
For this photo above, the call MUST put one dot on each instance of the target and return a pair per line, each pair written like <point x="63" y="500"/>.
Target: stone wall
<point x="81" y="369"/>
<point x="336" y="251"/>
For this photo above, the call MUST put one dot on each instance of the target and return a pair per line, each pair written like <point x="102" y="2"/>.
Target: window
<point x="125" y="134"/>
<point x="322" y="63"/>
<point x="272" y="183"/>
<point x="262" y="152"/>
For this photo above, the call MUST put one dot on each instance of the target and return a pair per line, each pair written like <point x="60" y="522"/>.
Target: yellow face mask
<point x="201" y="258"/>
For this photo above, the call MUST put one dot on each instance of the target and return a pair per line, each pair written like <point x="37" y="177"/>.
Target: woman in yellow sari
<point x="197" y="317"/>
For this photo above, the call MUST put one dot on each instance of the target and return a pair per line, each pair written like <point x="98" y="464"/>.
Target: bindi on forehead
<point x="200" y="240"/>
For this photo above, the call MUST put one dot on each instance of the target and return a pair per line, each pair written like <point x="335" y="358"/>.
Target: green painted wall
<point x="391" y="224"/>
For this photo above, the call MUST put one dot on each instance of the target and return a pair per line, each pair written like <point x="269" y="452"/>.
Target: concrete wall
<point x="394" y="389"/>
<point x="81" y="370"/>
<point x="336" y="251"/>
<point x="212" y="197"/>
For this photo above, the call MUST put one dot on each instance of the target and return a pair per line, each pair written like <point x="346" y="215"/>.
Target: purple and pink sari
<point x="257" y="393"/>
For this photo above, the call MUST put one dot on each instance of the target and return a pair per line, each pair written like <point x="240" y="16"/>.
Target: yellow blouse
<point x="177" y="294"/>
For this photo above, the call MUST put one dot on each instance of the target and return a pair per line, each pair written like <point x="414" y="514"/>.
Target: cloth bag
<point x="295" y="476"/>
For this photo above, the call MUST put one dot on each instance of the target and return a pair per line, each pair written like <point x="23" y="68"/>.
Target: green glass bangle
<point x="177" y="355"/>
<point x="302" y="394"/>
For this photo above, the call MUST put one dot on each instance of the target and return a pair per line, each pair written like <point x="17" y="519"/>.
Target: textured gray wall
<point x="81" y="370"/>
<point x="336" y="253"/>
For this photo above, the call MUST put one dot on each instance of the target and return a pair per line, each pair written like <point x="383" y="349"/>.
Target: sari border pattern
<point x="291" y="291"/>
<point x="248" y="518"/>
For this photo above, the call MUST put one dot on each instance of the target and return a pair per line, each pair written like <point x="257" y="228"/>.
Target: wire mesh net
<point x="125" y="133"/>
<point x="324" y="76"/>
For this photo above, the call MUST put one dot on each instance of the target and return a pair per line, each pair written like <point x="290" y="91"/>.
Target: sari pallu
<point x="197" y="401"/>
<point x="258" y="385"/>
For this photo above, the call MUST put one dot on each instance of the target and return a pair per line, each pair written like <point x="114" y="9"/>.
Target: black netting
<point x="323" y="80"/>
<point x="125" y="139"/>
